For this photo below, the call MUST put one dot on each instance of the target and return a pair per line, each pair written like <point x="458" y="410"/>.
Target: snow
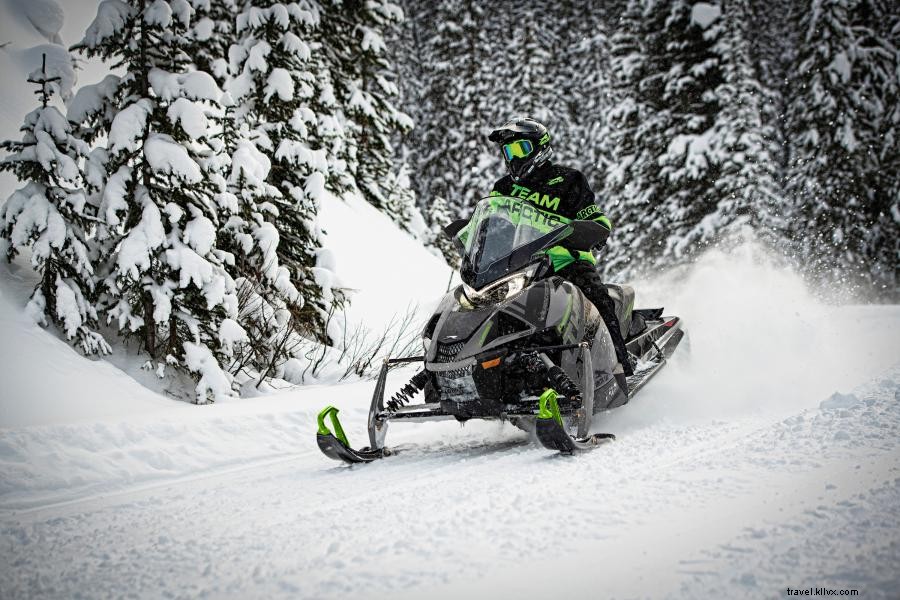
<point x="703" y="14"/>
<point x="72" y="389"/>
<point x="158" y="13"/>
<point x="214" y="384"/>
<point x="230" y="334"/>
<point x="375" y="261"/>
<point x="195" y="85"/>
<point x="191" y="116"/>
<point x="111" y="16"/>
<point x="841" y="65"/>
<point x="168" y="156"/>
<point x="191" y="267"/>
<point x="89" y="99"/>
<point x="46" y="16"/>
<point x="139" y="245"/>
<point x="279" y="82"/>
<point x="128" y="127"/>
<point x="250" y="163"/>
<point x="294" y="45"/>
<point x="256" y="61"/>
<point x="200" y="234"/>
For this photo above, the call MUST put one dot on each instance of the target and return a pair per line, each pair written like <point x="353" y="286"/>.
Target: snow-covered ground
<point x="766" y="459"/>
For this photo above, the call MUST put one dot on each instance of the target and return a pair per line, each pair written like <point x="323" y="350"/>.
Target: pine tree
<point x="352" y="37"/>
<point x="844" y="76"/>
<point x="213" y="31"/>
<point x="283" y="88"/>
<point x="580" y="90"/>
<point x="264" y="288"/>
<point x="666" y="73"/>
<point x="456" y="101"/>
<point x="745" y="141"/>
<point x="163" y="200"/>
<point x="46" y="216"/>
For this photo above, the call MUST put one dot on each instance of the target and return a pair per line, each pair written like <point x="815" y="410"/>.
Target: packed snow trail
<point x="744" y="508"/>
<point x="739" y="471"/>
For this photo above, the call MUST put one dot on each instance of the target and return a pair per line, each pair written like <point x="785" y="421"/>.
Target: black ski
<point x="336" y="446"/>
<point x="553" y="436"/>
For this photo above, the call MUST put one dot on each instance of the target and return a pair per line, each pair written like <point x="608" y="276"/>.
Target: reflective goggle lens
<point x="517" y="149"/>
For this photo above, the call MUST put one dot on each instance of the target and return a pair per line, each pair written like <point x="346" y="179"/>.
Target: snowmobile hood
<point x="460" y="334"/>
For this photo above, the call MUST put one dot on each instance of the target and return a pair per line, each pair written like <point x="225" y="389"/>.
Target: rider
<point x="525" y="144"/>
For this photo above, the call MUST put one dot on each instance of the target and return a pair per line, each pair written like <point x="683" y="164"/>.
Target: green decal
<point x="551" y="204"/>
<point x="548" y="407"/>
<point x="566" y="315"/>
<point x="587" y="256"/>
<point x="603" y="220"/>
<point x="544" y="139"/>
<point x="484" y="333"/>
<point x="587" y="211"/>
<point x="338" y="430"/>
<point x="555" y="180"/>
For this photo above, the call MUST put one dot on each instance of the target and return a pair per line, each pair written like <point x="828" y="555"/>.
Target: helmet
<point x="525" y="144"/>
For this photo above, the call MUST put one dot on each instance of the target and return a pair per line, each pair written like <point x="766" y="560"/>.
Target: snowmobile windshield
<point x="503" y="236"/>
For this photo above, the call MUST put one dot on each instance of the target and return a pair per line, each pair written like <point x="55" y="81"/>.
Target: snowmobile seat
<point x="623" y="299"/>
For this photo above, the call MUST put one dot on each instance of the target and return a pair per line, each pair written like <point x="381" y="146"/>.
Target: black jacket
<point x="556" y="189"/>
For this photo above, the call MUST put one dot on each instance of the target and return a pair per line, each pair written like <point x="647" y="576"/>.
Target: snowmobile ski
<point x="336" y="446"/>
<point x="552" y="435"/>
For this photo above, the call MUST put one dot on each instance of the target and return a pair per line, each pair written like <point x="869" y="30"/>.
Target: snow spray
<point x="759" y="340"/>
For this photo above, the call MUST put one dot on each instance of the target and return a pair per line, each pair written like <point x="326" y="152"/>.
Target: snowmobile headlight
<point x="499" y="291"/>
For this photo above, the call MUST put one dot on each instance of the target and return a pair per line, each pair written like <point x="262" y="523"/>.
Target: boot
<point x="615" y="332"/>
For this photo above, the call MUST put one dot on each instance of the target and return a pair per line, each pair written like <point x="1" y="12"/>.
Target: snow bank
<point x="46" y="16"/>
<point x="45" y="380"/>
<point x="385" y="268"/>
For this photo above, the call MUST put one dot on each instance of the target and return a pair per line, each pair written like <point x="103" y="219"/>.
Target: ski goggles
<point x="517" y="149"/>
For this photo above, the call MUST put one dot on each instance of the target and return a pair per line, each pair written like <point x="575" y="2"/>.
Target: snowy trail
<point x="747" y="508"/>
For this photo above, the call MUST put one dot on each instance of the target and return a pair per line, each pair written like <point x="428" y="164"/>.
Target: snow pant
<point x="585" y="276"/>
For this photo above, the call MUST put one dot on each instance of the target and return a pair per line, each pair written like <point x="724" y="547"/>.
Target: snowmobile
<point x="515" y="342"/>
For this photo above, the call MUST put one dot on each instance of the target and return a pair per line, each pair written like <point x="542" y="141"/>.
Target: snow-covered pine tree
<point x="46" y="216"/>
<point x="282" y="87"/>
<point x="264" y="288"/>
<point x="162" y="200"/>
<point x="665" y="75"/>
<point x="844" y="222"/>
<point x="352" y="37"/>
<point x="456" y="101"/>
<point x="580" y="89"/>
<point x="745" y="142"/>
<point x="213" y="31"/>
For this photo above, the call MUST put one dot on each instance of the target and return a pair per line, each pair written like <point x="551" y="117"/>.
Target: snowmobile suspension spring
<point x="406" y="393"/>
<point x="562" y="383"/>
